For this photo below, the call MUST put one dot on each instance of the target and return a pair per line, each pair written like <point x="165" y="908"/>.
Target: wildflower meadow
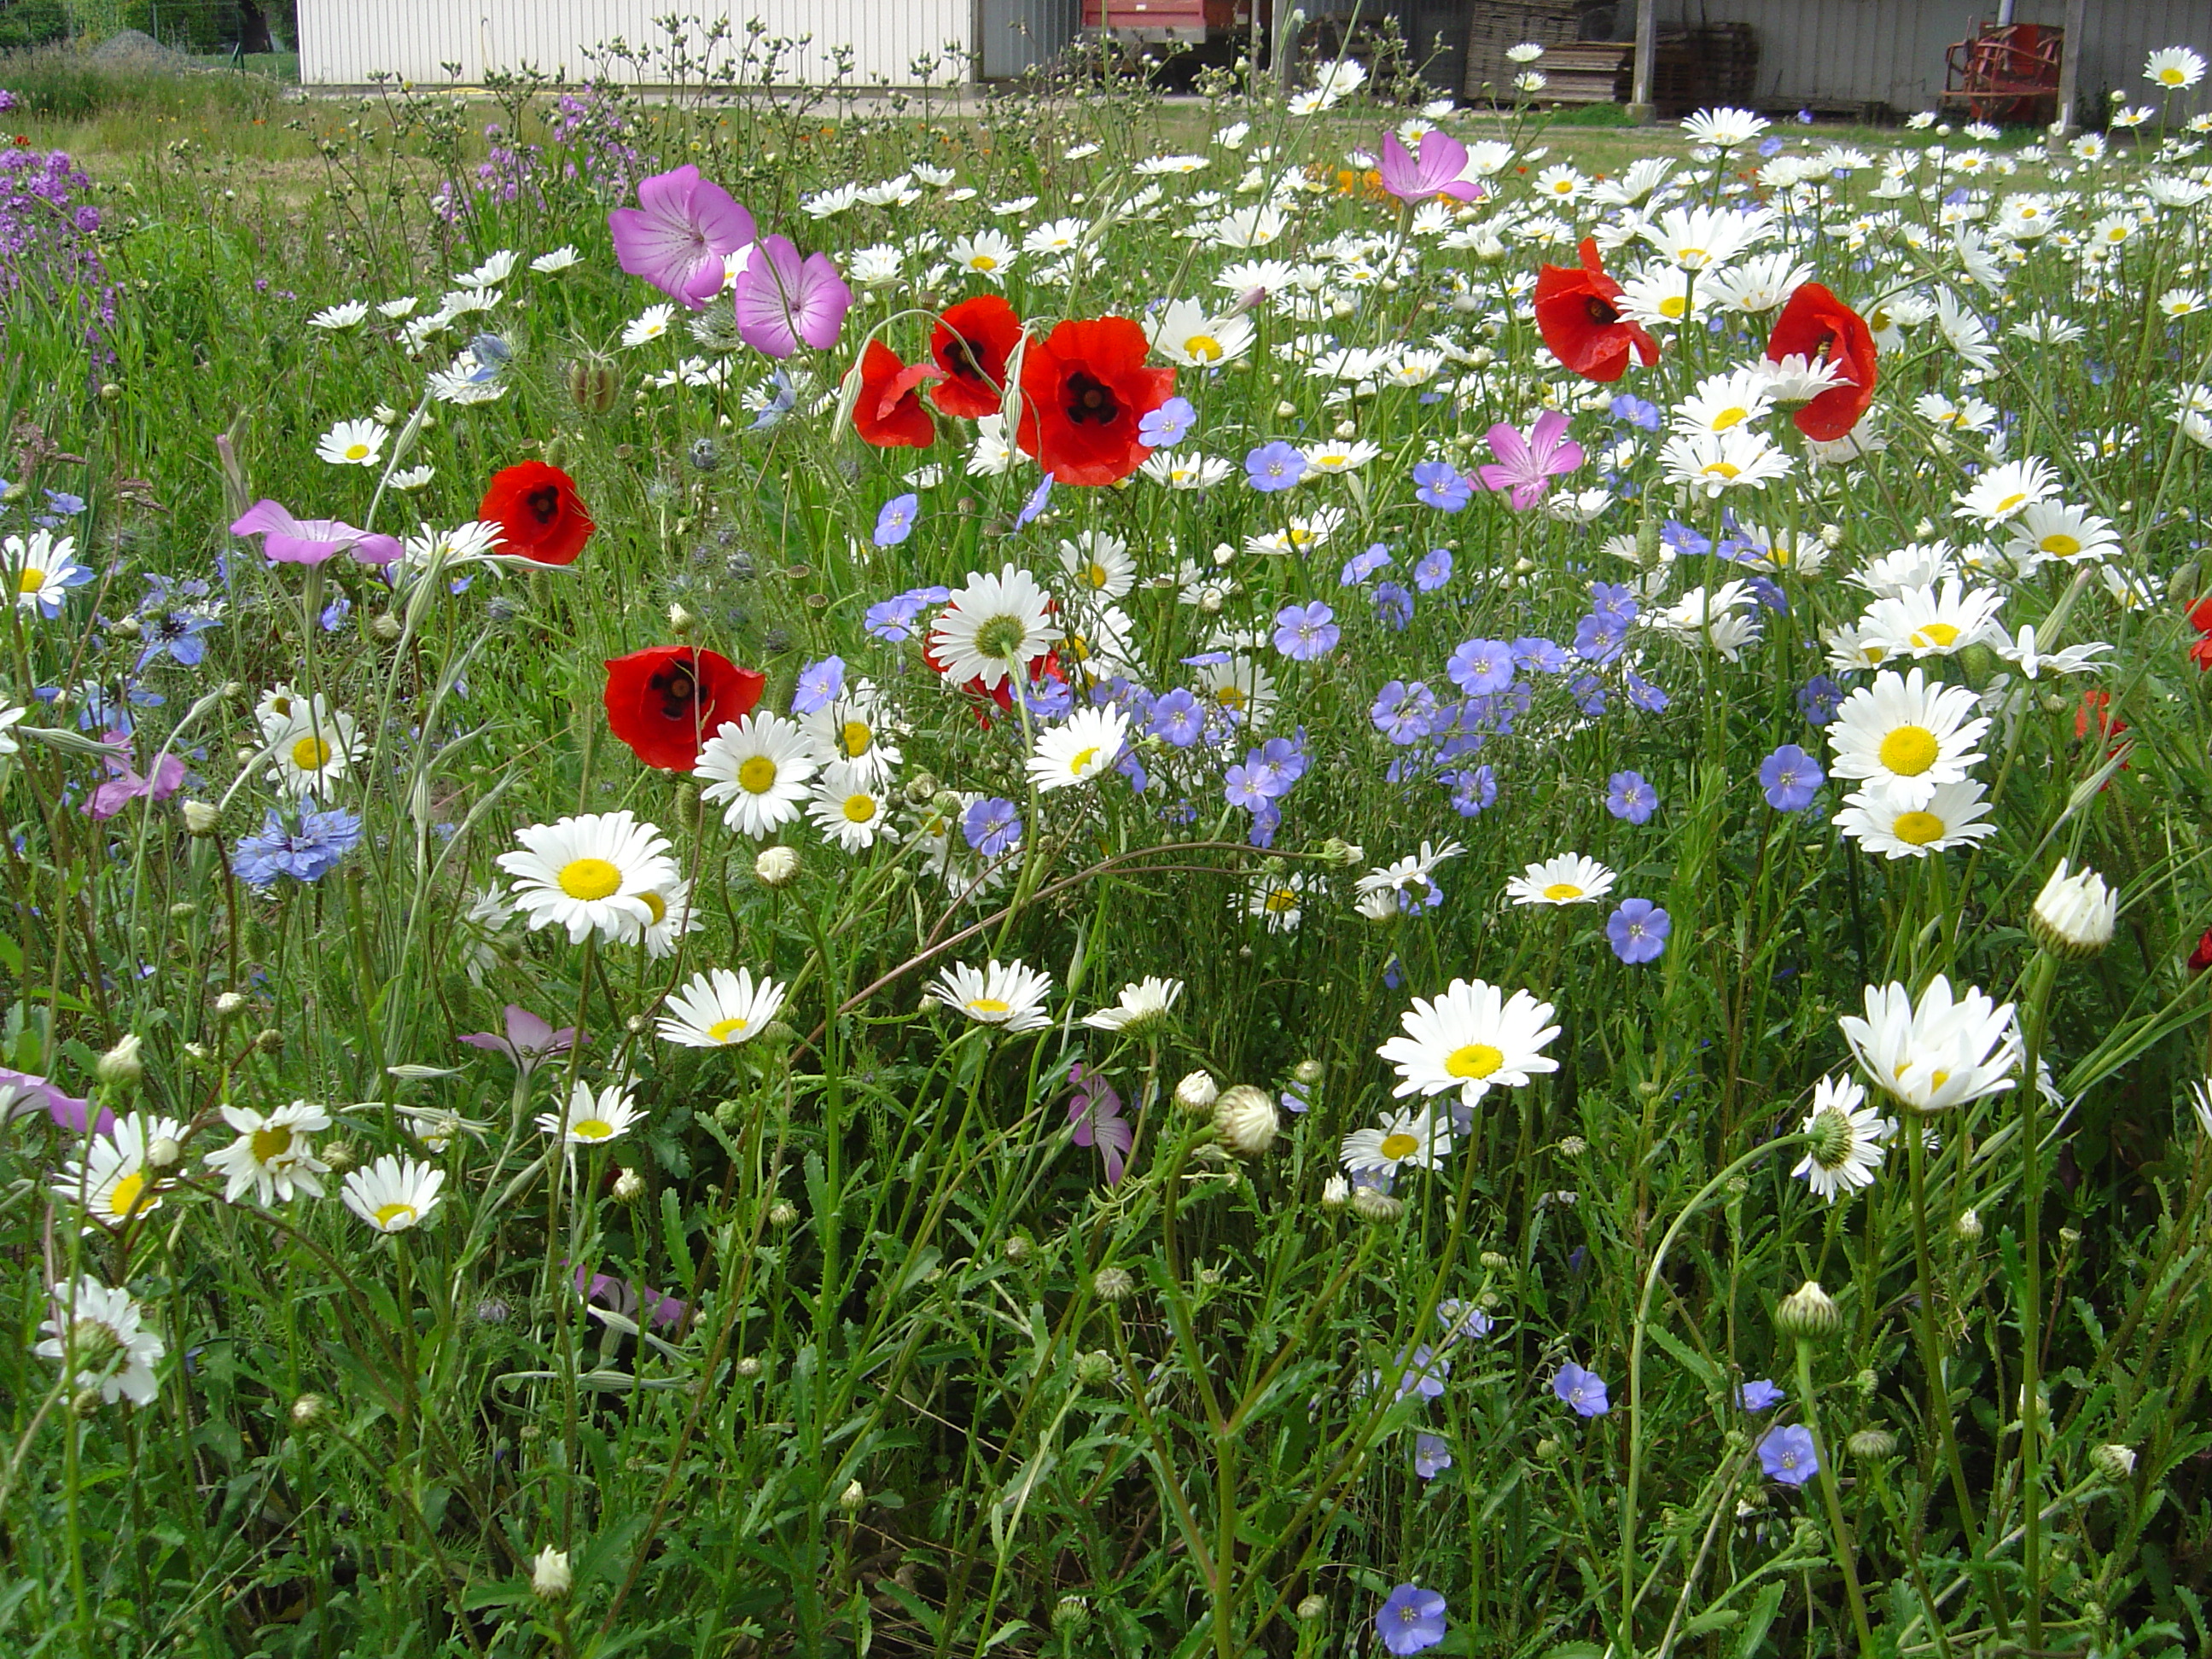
<point x="1293" y="873"/>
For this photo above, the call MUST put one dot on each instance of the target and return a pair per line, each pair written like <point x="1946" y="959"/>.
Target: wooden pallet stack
<point x="1698" y="69"/>
<point x="1495" y="26"/>
<point x="1588" y="72"/>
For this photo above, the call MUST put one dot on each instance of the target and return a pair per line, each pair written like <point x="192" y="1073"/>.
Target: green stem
<point x="1839" y="1531"/>
<point x="2041" y="977"/>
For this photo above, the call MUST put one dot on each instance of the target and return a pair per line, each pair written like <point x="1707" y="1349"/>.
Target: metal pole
<point x="2070" y="64"/>
<point x="1641" y="111"/>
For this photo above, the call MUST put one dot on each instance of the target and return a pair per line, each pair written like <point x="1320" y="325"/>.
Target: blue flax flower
<point x="1411" y="1620"/>
<point x="1167" y="424"/>
<point x="1360" y="566"/>
<point x="1584" y="1390"/>
<point x="1479" y="668"/>
<point x="1178" y="718"/>
<point x="1306" y="633"/>
<point x="1638" y="930"/>
<point x="1630" y="795"/>
<point x="896" y="522"/>
<point x="1760" y="1395"/>
<point x="1790" y="776"/>
<point x="1434" y="570"/>
<point x="1442" y="486"/>
<point x="1787" y="1454"/>
<point x="1274" y="466"/>
<point x="1394" y="604"/>
<point x="819" y="683"/>
<point x="1432" y="1456"/>
<point x="992" y="826"/>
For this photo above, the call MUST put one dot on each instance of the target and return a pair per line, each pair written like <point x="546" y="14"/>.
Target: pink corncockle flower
<point x="1528" y="463"/>
<point x="287" y="540"/>
<point x="630" y="1297"/>
<point x="529" y="1040"/>
<point x="782" y="299"/>
<point x="124" y="786"/>
<point x="1437" y="172"/>
<point x="1096" y="1112"/>
<point x="679" y="236"/>
<point x="22" y="1094"/>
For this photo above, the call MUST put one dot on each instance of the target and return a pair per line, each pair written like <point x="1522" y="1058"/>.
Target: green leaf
<point x="1756" y="1622"/>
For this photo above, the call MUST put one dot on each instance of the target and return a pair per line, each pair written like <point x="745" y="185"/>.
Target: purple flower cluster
<point x="48" y="235"/>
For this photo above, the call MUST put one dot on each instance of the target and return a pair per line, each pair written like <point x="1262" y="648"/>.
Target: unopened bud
<point x="1870" y="1443"/>
<point x="1019" y="1250"/>
<point x="1572" y="1146"/>
<point x="162" y="1152"/>
<point x="1244" y="1119"/>
<point x="2074" y="915"/>
<point x="549" y="1574"/>
<point x="1311" y="1608"/>
<point x="121" y="1067"/>
<point x="2116" y="1463"/>
<point x="1308" y="1072"/>
<point x="781" y="1213"/>
<point x="1094" y="1370"/>
<point x="1196" y="1093"/>
<point x="852" y="1497"/>
<point x="1370" y="1204"/>
<point x="339" y="1156"/>
<point x="1807" y="1311"/>
<point x="776" y="866"/>
<point x="1070" y="1613"/>
<point x="306" y="1409"/>
<point x="200" y="819"/>
<point x="1968" y="1226"/>
<point x="748" y="1367"/>
<point x="230" y="1005"/>
<point x="681" y="622"/>
<point x="269" y="1041"/>
<point x="630" y="1187"/>
<point x="1335" y="1193"/>
<point x="922" y="788"/>
<point x="594" y="385"/>
<point x="1113" y="1285"/>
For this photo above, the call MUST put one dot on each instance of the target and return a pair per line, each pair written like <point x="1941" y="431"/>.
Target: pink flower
<point x="287" y="540"/>
<point x="1096" y="1112"/>
<point x="529" y="1040"/>
<point x="1527" y="465"/>
<point x="1437" y="172"/>
<point x="782" y="299"/>
<point x="677" y="238"/>
<point x="23" y="1094"/>
<point x="125" y="785"/>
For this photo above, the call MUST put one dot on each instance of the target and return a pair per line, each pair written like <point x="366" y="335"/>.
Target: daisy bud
<point x="1968" y="1227"/>
<point x="1572" y="1146"/>
<point x="1346" y="430"/>
<point x="339" y="1154"/>
<point x="1070" y="1612"/>
<point x="1094" y="1370"/>
<point x="1807" y="1311"/>
<point x="921" y="789"/>
<point x="1019" y="1250"/>
<point x="1307" y="1072"/>
<point x="230" y="1005"/>
<point x="681" y="622"/>
<point x="637" y="1025"/>
<point x="630" y="1186"/>
<point x="200" y="819"/>
<point x="1286" y="412"/>
<point x="162" y="1152"/>
<point x="852" y="1497"/>
<point x="2073" y="915"/>
<point x="271" y="1042"/>
<point x="781" y="1213"/>
<point x="749" y="1368"/>
<point x="120" y="1067"/>
<point x="386" y="627"/>
<point x="87" y="1402"/>
<point x="1311" y="1608"/>
<point x="1869" y="1443"/>
<point x="549" y="1574"/>
<point x="1496" y="1261"/>
<point x="1370" y="1205"/>
<point x="1335" y="1193"/>
<point x="1548" y="1449"/>
<point x="1346" y="852"/>
<point x="2115" y="1463"/>
<point x="306" y="1409"/>
<point x="184" y="912"/>
<point x="775" y="866"/>
<point x="1244" y="1119"/>
<point x="1113" y="1285"/>
<point x="1196" y="1093"/>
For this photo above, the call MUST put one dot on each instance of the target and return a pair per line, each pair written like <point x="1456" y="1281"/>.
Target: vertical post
<point x="1641" y="111"/>
<point x="2069" y="71"/>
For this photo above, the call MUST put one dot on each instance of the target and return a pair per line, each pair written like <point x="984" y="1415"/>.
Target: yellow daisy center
<point x="1917" y="829"/>
<point x="270" y="1141"/>
<point x="591" y="1128"/>
<point x="31" y="580"/>
<point x="982" y="262"/>
<point x="356" y="451"/>
<point x="2012" y="501"/>
<point x="1204" y="347"/>
<point x="1909" y="750"/>
<point x="1560" y="891"/>
<point x="856" y="738"/>
<point x="123" y="1196"/>
<point x="2170" y="78"/>
<point x="757" y="776"/>
<point x="1674" y="307"/>
<point x="1723" y="469"/>
<point x="1281" y="899"/>
<point x="2060" y="546"/>
<point x="859" y="808"/>
<point x="1230" y="696"/>
<point x="1936" y="634"/>
<point x="988" y="1005"/>
<point x="1473" y="1059"/>
<point x="311" y="753"/>
<point x="1081" y="760"/>
<point x="1398" y="1147"/>
<point x="658" y="905"/>
<point x="1729" y="417"/>
<point x="588" y="879"/>
<point x="732" y="1029"/>
<point x="395" y="1215"/>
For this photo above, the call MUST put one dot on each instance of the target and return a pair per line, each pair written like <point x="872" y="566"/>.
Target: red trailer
<point x="1189" y="21"/>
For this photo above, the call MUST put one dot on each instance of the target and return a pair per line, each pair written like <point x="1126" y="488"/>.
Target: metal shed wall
<point x="1892" y="51"/>
<point x="1019" y="34"/>
<point x="343" y="42"/>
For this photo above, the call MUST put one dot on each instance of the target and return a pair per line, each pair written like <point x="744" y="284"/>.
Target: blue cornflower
<point x="1629" y="795"/>
<point x="307" y="854"/>
<point x="1644" y="695"/>
<point x="819" y="683"/>
<point x="1818" y="698"/>
<point x="1178" y="718"/>
<point x="896" y="522"/>
<point x="1473" y="791"/>
<point x="1434" y="570"/>
<point x="176" y="634"/>
<point x="1404" y="712"/>
<point x="1432" y="1456"/>
<point x="1598" y="637"/>
<point x="1360" y="566"/>
<point x="1638" y="930"/>
<point x="1543" y="656"/>
<point x="1478" y="667"/>
<point x="992" y="825"/>
<point x="1760" y="1395"/>
<point x="1167" y="424"/>
<point x="1274" y="466"/>
<point x="1787" y="1454"/>
<point x="1584" y="1390"/>
<point x="1394" y="604"/>
<point x="1442" y="486"/>
<point x="1626" y="406"/>
<point x="1789" y="776"/>
<point x="1306" y="633"/>
<point x="1411" y="1620"/>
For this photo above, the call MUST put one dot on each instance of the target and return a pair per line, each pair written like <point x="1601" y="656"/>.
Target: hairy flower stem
<point x="1838" y="1530"/>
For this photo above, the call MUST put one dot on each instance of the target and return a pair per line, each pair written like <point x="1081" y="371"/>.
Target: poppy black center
<point x="545" y="503"/>
<point x="1091" y="401"/>
<point x="1600" y="312"/>
<point x="677" y="689"/>
<point x="962" y="359"/>
<point x="1825" y="347"/>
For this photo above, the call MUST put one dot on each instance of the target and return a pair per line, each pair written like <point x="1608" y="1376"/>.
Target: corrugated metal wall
<point x="343" y="42"/>
<point x="1019" y="34"/>
<point x="1893" y="50"/>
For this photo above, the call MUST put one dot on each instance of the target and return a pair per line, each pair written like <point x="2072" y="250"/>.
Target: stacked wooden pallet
<point x="1588" y="72"/>
<point x="1700" y="68"/>
<point x="1495" y="26"/>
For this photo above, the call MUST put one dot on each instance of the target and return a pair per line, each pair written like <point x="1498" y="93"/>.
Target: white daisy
<point x="1723" y="129"/>
<point x="854" y="731"/>
<point x="761" y="764"/>
<point x="1181" y="332"/>
<point x="1848" y="1140"/>
<point x="673" y="916"/>
<point x="1186" y="471"/>
<point x="850" y="808"/>
<point x="272" y="1157"/>
<point x="590" y="874"/>
<point x="2006" y="490"/>
<point x="1937" y="1052"/>
<point x="1740" y="459"/>
<point x="1089" y="745"/>
<point x="987" y="253"/>
<point x="1569" y="879"/>
<point x="720" y="1009"/>
<point x="560" y="259"/>
<point x="103" y="1330"/>
<point x="337" y="318"/>
<point x="649" y="326"/>
<point x="393" y="1193"/>
<point x="591" y="1119"/>
<point x="1928" y="622"/>
<point x="1473" y="1039"/>
<point x="1880" y="818"/>
<point x="1009" y="996"/>
<point x="1279" y="901"/>
<point x="1100" y="564"/>
<point x="114" y="1181"/>
<point x="352" y="443"/>
<point x="994" y="627"/>
<point x="2175" y="68"/>
<point x="40" y="571"/>
<point x="2052" y="530"/>
<point x="307" y="751"/>
<point x="1414" y="1139"/>
<point x="1907" y="735"/>
<point x="1142" y="1005"/>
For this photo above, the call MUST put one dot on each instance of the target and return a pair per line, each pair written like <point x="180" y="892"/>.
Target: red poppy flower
<point x="539" y="512"/>
<point x="2201" y="653"/>
<point x="889" y="414"/>
<point x="971" y="343"/>
<point x="2201" y="957"/>
<point x="1084" y="387"/>
<point x="1577" y="315"/>
<point x="1820" y="328"/>
<point x="666" y="701"/>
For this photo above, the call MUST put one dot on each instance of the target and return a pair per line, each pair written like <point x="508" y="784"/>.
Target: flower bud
<point x="229" y="1004"/>
<point x="782" y="1214"/>
<point x="1311" y="1608"/>
<point x="1572" y="1146"/>
<point x="1335" y="1193"/>
<point x="1019" y="1250"/>
<point x="1307" y="1072"/>
<point x="594" y="385"/>
<point x="749" y="1368"/>
<point x="307" y="1409"/>
<point x="681" y="622"/>
<point x="1870" y="1443"/>
<point x="2073" y="915"/>
<point x="1495" y="1261"/>
<point x="1070" y="1613"/>
<point x="1196" y="1093"/>
<point x="162" y="1152"/>
<point x="2115" y="1463"/>
<point x="270" y="1041"/>
<point x="1244" y="1119"/>
<point x="921" y="789"/>
<point x="1113" y="1285"/>
<point x="630" y="1187"/>
<point x="549" y="1574"/>
<point x="1369" y="1204"/>
<point x="386" y="626"/>
<point x="1807" y="1311"/>
<point x="121" y="1067"/>
<point x="339" y="1154"/>
<point x="1968" y="1227"/>
<point x="852" y="1497"/>
<point x="776" y="866"/>
<point x="200" y="819"/>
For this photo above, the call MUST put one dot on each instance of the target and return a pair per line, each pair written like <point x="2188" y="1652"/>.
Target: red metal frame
<point x="2006" y="72"/>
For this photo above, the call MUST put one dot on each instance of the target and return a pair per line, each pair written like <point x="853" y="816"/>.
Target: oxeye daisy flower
<point x="590" y="874"/>
<point x="272" y="1157"/>
<point x="855" y="730"/>
<point x="850" y="808"/>
<point x="393" y="1193"/>
<point x="2006" y="490"/>
<point x="1100" y="564"/>
<point x="1142" y="1007"/>
<point x="116" y="1182"/>
<point x="1926" y="621"/>
<point x="994" y="627"/>
<point x="987" y="253"/>
<point x="650" y="325"/>
<point x="591" y="1119"/>
<point x="1906" y="734"/>
<point x="337" y="318"/>
<point x="760" y="765"/>
<point x="1714" y="462"/>
<point x="1883" y="818"/>
<point x="1723" y="128"/>
<point x="1570" y="878"/>
<point x="1009" y="996"/>
<point x="2175" y="68"/>
<point x="1400" y="1140"/>
<point x="1848" y="1140"/>
<point x="1937" y="1052"/>
<point x="1181" y="332"/>
<point x="672" y="917"/>
<point x="312" y="749"/>
<point x="2052" y="530"/>
<point x="720" y="1009"/>
<point x="102" y="1329"/>
<point x="1089" y="745"/>
<point x="1474" y="1039"/>
<point x="352" y="443"/>
<point x="1279" y="901"/>
<point x="41" y="572"/>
